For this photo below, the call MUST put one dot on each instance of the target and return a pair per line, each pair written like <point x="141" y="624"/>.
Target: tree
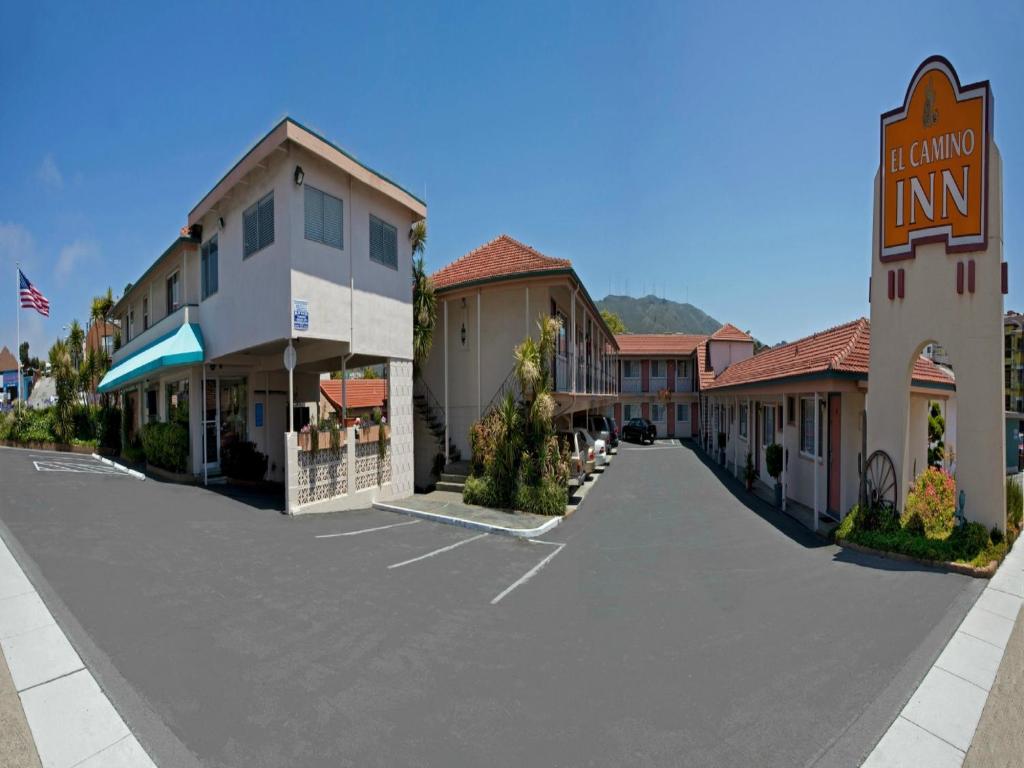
<point x="369" y="373"/>
<point x="613" y="321"/>
<point x="424" y="302"/>
<point x="102" y="306"/>
<point x="23" y="354"/>
<point x="64" y="383"/>
<point x="76" y="344"/>
<point x="936" y="432"/>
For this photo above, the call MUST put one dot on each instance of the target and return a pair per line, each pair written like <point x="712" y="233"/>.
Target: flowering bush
<point x="931" y="504"/>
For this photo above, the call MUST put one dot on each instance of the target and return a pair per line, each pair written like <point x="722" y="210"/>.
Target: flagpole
<point x="17" y="313"/>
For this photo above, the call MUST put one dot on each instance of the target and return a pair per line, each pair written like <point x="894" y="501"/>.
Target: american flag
<point x="31" y="298"/>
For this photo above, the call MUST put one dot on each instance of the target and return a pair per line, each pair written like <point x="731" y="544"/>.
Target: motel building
<point x="295" y="264"/>
<point x="815" y="386"/>
<point x="488" y="302"/>
<point x="662" y="375"/>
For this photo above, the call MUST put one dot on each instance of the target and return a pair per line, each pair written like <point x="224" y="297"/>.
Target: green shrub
<point x="7" y="426"/>
<point x="933" y="500"/>
<point x="477" y="490"/>
<point x="548" y="498"/>
<point x="108" y="429"/>
<point x="773" y="460"/>
<point x="1014" y="503"/>
<point x="242" y="461"/>
<point x="35" y="425"/>
<point x="996" y="535"/>
<point x="132" y="451"/>
<point x="165" y="445"/>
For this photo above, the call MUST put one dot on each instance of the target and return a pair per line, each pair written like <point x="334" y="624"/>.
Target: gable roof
<point x="8" y="362"/>
<point x="705" y="373"/>
<point x="842" y="350"/>
<point x="503" y="257"/>
<point x="730" y="332"/>
<point x="658" y="343"/>
<point x="360" y="393"/>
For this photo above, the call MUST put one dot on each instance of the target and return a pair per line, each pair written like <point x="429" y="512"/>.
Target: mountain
<point x="650" y="314"/>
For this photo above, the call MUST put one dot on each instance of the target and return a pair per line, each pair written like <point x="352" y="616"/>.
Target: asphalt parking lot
<point x="669" y="621"/>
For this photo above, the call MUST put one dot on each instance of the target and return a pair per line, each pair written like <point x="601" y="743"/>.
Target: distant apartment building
<point x="101" y="337"/>
<point x="1013" y="372"/>
<point x="298" y="258"/>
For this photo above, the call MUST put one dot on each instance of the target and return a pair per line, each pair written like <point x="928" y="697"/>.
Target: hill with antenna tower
<point x="651" y="314"/>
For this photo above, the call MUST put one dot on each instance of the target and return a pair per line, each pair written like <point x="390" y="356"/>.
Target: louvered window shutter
<point x="376" y="240"/>
<point x="213" y="276"/>
<point x="266" y="221"/>
<point x="332" y="227"/>
<point x="250" y="234"/>
<point x="314" y="214"/>
<point x="390" y="246"/>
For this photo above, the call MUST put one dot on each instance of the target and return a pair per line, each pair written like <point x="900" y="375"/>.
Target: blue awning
<point x="181" y="347"/>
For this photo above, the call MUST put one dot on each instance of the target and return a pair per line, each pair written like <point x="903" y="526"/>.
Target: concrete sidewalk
<point x="937" y="726"/>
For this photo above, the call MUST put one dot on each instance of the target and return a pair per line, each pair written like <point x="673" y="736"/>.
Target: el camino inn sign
<point x="935" y="164"/>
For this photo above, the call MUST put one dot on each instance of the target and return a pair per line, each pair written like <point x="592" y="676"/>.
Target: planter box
<point x="305" y="440"/>
<point x="372" y="434"/>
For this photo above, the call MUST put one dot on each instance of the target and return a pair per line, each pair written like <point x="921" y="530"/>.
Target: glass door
<point x="233" y="411"/>
<point x="211" y="424"/>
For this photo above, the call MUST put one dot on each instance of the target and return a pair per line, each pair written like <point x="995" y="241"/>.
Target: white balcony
<point x="189" y="313"/>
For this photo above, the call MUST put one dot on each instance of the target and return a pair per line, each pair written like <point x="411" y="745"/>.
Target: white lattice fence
<point x="322" y="475"/>
<point x="369" y="470"/>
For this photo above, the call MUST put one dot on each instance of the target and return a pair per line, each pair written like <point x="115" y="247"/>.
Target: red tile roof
<point x="502" y="257"/>
<point x="730" y="332"/>
<point x="705" y="373"/>
<point x="658" y="343"/>
<point x="360" y="393"/>
<point x="843" y="349"/>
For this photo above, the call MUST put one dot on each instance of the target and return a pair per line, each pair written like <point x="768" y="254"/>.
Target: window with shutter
<point x="208" y="267"/>
<point x="323" y="218"/>
<point x="333" y="226"/>
<point x="266" y="220"/>
<point x="250" y="231"/>
<point x="383" y="243"/>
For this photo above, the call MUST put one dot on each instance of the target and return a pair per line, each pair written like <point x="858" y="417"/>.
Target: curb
<point x="986" y="572"/>
<point x="120" y="467"/>
<point x="471" y="524"/>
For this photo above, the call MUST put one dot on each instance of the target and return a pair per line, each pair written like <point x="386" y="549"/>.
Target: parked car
<point x="604" y="427"/>
<point x="598" y="447"/>
<point x="578" y="448"/>
<point x="640" y="430"/>
<point x="615" y="433"/>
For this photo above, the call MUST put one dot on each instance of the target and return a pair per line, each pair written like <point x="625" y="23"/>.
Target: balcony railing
<point x="658" y="383"/>
<point x="631" y="385"/>
<point x="590" y="379"/>
<point x="684" y="384"/>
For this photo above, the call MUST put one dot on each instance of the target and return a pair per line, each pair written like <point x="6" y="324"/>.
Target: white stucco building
<point x="298" y="245"/>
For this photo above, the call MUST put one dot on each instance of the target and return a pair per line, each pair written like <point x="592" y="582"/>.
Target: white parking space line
<point x="438" y="551"/>
<point x="74" y="466"/>
<point x="365" y="530"/>
<point x="533" y="571"/>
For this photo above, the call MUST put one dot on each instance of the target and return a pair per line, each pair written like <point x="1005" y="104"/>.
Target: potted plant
<point x="773" y="462"/>
<point x="748" y="473"/>
<point x="721" y="447"/>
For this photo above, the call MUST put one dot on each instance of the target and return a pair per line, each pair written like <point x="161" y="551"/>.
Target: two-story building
<point x="660" y="375"/>
<point x="297" y="262"/>
<point x="489" y="301"/>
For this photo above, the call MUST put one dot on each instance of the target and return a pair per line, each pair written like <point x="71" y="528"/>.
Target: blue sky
<point x="716" y="153"/>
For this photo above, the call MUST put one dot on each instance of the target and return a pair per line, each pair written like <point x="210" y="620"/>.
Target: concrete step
<point x="457" y="468"/>
<point x="453" y="477"/>
<point x="453" y="487"/>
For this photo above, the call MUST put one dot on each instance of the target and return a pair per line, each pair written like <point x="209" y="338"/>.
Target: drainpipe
<point x="351" y="319"/>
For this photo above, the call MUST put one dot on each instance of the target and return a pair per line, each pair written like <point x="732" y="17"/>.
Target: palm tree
<point x="76" y="343"/>
<point x="64" y="382"/>
<point x="424" y="302"/>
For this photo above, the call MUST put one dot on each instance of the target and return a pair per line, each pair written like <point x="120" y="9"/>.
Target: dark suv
<point x="640" y="430"/>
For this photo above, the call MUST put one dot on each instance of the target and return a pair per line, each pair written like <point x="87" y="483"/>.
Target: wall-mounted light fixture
<point x="462" y="334"/>
<point x="221" y="222"/>
<point x="299" y="175"/>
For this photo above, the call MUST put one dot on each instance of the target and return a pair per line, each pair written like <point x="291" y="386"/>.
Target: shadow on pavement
<point x="775" y="517"/>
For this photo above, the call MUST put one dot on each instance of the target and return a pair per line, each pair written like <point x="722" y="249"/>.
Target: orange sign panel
<point x="935" y="164"/>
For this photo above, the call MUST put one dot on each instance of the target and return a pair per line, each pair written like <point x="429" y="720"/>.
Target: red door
<point x="834" y="450"/>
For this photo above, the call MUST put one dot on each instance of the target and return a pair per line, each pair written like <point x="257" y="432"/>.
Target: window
<point x="657" y="412"/>
<point x="208" y="267"/>
<point x="145" y="312"/>
<point x="791" y="408"/>
<point x="682" y="412"/>
<point x="657" y="368"/>
<point x="131" y="323"/>
<point x="630" y="369"/>
<point x="151" y="402"/>
<point x="323" y="218"/>
<point x="173" y="293"/>
<point x="177" y="401"/>
<point x="258" y="225"/>
<point x="807" y="426"/>
<point x="682" y="369"/>
<point x="108" y="345"/>
<point x="743" y="421"/>
<point x="631" y="411"/>
<point x="383" y="243"/>
<point x="769" y="425"/>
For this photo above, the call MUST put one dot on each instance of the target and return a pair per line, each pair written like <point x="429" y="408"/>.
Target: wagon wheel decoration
<point x="880" y="480"/>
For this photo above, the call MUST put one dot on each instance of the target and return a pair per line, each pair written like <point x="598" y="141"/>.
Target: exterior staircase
<point x="431" y="413"/>
<point x="453" y="478"/>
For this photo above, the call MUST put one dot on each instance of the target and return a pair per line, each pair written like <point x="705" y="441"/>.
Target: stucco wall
<point x="722" y="354"/>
